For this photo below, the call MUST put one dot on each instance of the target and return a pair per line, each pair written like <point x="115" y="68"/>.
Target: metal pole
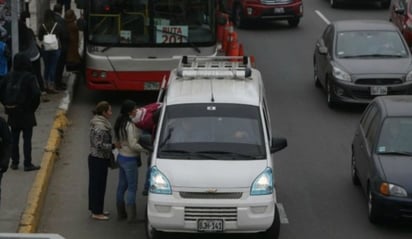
<point x="15" y="12"/>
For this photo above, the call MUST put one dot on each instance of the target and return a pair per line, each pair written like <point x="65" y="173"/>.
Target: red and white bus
<point x="134" y="44"/>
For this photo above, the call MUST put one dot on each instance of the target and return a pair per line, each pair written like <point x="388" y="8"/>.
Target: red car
<point x="242" y="11"/>
<point x="401" y="16"/>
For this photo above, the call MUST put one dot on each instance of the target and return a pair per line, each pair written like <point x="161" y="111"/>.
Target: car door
<point x="322" y="53"/>
<point x="366" y="157"/>
<point x="361" y="144"/>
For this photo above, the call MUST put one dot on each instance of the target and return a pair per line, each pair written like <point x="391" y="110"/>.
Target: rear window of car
<point x="352" y="44"/>
<point x="212" y="131"/>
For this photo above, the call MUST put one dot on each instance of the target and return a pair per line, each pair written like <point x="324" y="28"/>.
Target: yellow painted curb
<point x="31" y="215"/>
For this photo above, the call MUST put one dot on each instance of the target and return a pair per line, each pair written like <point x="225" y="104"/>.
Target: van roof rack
<point x="235" y="67"/>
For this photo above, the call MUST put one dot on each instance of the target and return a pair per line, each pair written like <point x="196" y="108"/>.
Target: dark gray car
<point x="357" y="60"/>
<point x="382" y="157"/>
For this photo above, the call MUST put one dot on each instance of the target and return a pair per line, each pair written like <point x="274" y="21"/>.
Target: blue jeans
<point x="27" y="136"/>
<point x="50" y="65"/>
<point x="128" y="174"/>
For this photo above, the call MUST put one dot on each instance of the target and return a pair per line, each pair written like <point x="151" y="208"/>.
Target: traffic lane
<point x="313" y="173"/>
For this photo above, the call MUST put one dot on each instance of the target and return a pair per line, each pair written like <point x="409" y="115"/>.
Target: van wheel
<point x="273" y="231"/>
<point x="354" y="173"/>
<point x="151" y="233"/>
<point x="238" y="19"/>
<point x="374" y="214"/>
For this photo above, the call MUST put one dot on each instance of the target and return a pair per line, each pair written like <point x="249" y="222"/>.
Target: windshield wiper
<point x="372" y="55"/>
<point x="403" y="153"/>
<point x="189" y="154"/>
<point x="232" y="154"/>
<point x="180" y="35"/>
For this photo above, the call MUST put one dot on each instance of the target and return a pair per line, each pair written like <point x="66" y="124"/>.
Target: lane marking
<point x="282" y="214"/>
<point x="322" y="17"/>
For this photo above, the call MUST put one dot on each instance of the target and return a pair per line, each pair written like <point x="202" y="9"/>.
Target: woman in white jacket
<point x="127" y="134"/>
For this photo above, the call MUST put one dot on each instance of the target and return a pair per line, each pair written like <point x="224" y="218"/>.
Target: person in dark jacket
<point x="5" y="148"/>
<point x="21" y="118"/>
<point x="73" y="59"/>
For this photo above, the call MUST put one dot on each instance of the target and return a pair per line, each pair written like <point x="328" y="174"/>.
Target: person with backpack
<point x="50" y="55"/>
<point x="20" y="95"/>
<point x="64" y="45"/>
<point x="5" y="148"/>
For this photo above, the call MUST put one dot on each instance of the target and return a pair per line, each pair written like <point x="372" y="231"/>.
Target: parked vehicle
<point x="338" y="3"/>
<point x="243" y="11"/>
<point x="212" y="167"/>
<point x="382" y="157"/>
<point x="401" y="16"/>
<point x="357" y="60"/>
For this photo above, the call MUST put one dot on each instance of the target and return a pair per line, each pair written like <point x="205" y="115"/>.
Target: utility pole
<point x="15" y="11"/>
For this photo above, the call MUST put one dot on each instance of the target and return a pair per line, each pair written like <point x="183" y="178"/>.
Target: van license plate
<point x="379" y="90"/>
<point x="279" y="10"/>
<point x="209" y="225"/>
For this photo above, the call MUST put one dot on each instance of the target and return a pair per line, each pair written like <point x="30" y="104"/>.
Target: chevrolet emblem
<point x="211" y="190"/>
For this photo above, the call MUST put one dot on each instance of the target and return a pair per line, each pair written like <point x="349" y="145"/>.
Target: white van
<point x="212" y="169"/>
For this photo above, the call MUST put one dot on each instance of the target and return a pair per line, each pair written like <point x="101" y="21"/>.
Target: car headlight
<point x="409" y="76"/>
<point x="340" y="74"/>
<point x="263" y="184"/>
<point x="159" y="183"/>
<point x="389" y="189"/>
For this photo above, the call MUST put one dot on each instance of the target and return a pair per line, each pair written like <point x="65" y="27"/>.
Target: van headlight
<point x="263" y="184"/>
<point x="159" y="183"/>
<point x="340" y="74"/>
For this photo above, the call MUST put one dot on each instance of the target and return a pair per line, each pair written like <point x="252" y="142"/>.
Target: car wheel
<point x="373" y="212"/>
<point x="151" y="233"/>
<point x="239" y="19"/>
<point x="315" y="76"/>
<point x="333" y="3"/>
<point x="385" y="4"/>
<point x="354" y="171"/>
<point x="329" y="95"/>
<point x="273" y="231"/>
<point x="294" y="22"/>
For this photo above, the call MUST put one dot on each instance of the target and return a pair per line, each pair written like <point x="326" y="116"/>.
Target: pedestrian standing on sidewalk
<point x="29" y="47"/>
<point x="73" y="59"/>
<point x="64" y="43"/>
<point x="5" y="148"/>
<point x="50" y="57"/>
<point x="129" y="160"/>
<point x="20" y="95"/>
<point x="98" y="161"/>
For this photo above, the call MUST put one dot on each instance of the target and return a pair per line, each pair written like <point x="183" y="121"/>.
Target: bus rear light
<point x="95" y="74"/>
<point x="103" y="74"/>
<point x="249" y="10"/>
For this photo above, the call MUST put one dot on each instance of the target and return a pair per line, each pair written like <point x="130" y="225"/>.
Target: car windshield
<point x="358" y="44"/>
<point x="396" y="136"/>
<point x="211" y="131"/>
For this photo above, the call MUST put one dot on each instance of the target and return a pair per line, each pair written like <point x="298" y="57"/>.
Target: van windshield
<point x="212" y="131"/>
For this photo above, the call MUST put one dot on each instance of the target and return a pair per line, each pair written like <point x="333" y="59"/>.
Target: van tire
<point x="151" y="233"/>
<point x="273" y="231"/>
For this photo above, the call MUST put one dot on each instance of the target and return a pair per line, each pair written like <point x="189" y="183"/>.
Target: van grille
<point x="205" y="195"/>
<point x="224" y="213"/>
<point x="379" y="81"/>
<point x="274" y="2"/>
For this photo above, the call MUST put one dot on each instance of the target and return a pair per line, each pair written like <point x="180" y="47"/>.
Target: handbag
<point x="113" y="163"/>
<point x="50" y="41"/>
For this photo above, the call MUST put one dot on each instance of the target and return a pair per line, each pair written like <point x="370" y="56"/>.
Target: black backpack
<point x="13" y="95"/>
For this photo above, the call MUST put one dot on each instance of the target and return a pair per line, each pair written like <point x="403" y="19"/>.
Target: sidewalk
<point x="22" y="191"/>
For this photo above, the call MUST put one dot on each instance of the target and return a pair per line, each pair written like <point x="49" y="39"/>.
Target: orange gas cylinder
<point x="221" y="26"/>
<point x="241" y="52"/>
<point x="226" y="33"/>
<point x="232" y="44"/>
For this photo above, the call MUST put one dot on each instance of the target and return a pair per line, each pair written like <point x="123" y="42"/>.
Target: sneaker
<point x="14" y="166"/>
<point x="31" y="168"/>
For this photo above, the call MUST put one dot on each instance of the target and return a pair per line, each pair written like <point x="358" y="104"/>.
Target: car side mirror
<point x="146" y="142"/>
<point x="278" y="144"/>
<point x="323" y="50"/>
<point x="400" y="11"/>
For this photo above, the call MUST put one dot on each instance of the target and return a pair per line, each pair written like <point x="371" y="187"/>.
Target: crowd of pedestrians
<point x="23" y="84"/>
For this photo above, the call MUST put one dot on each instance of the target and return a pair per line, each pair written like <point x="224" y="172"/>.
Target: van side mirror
<point x="278" y="144"/>
<point x="146" y="142"/>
